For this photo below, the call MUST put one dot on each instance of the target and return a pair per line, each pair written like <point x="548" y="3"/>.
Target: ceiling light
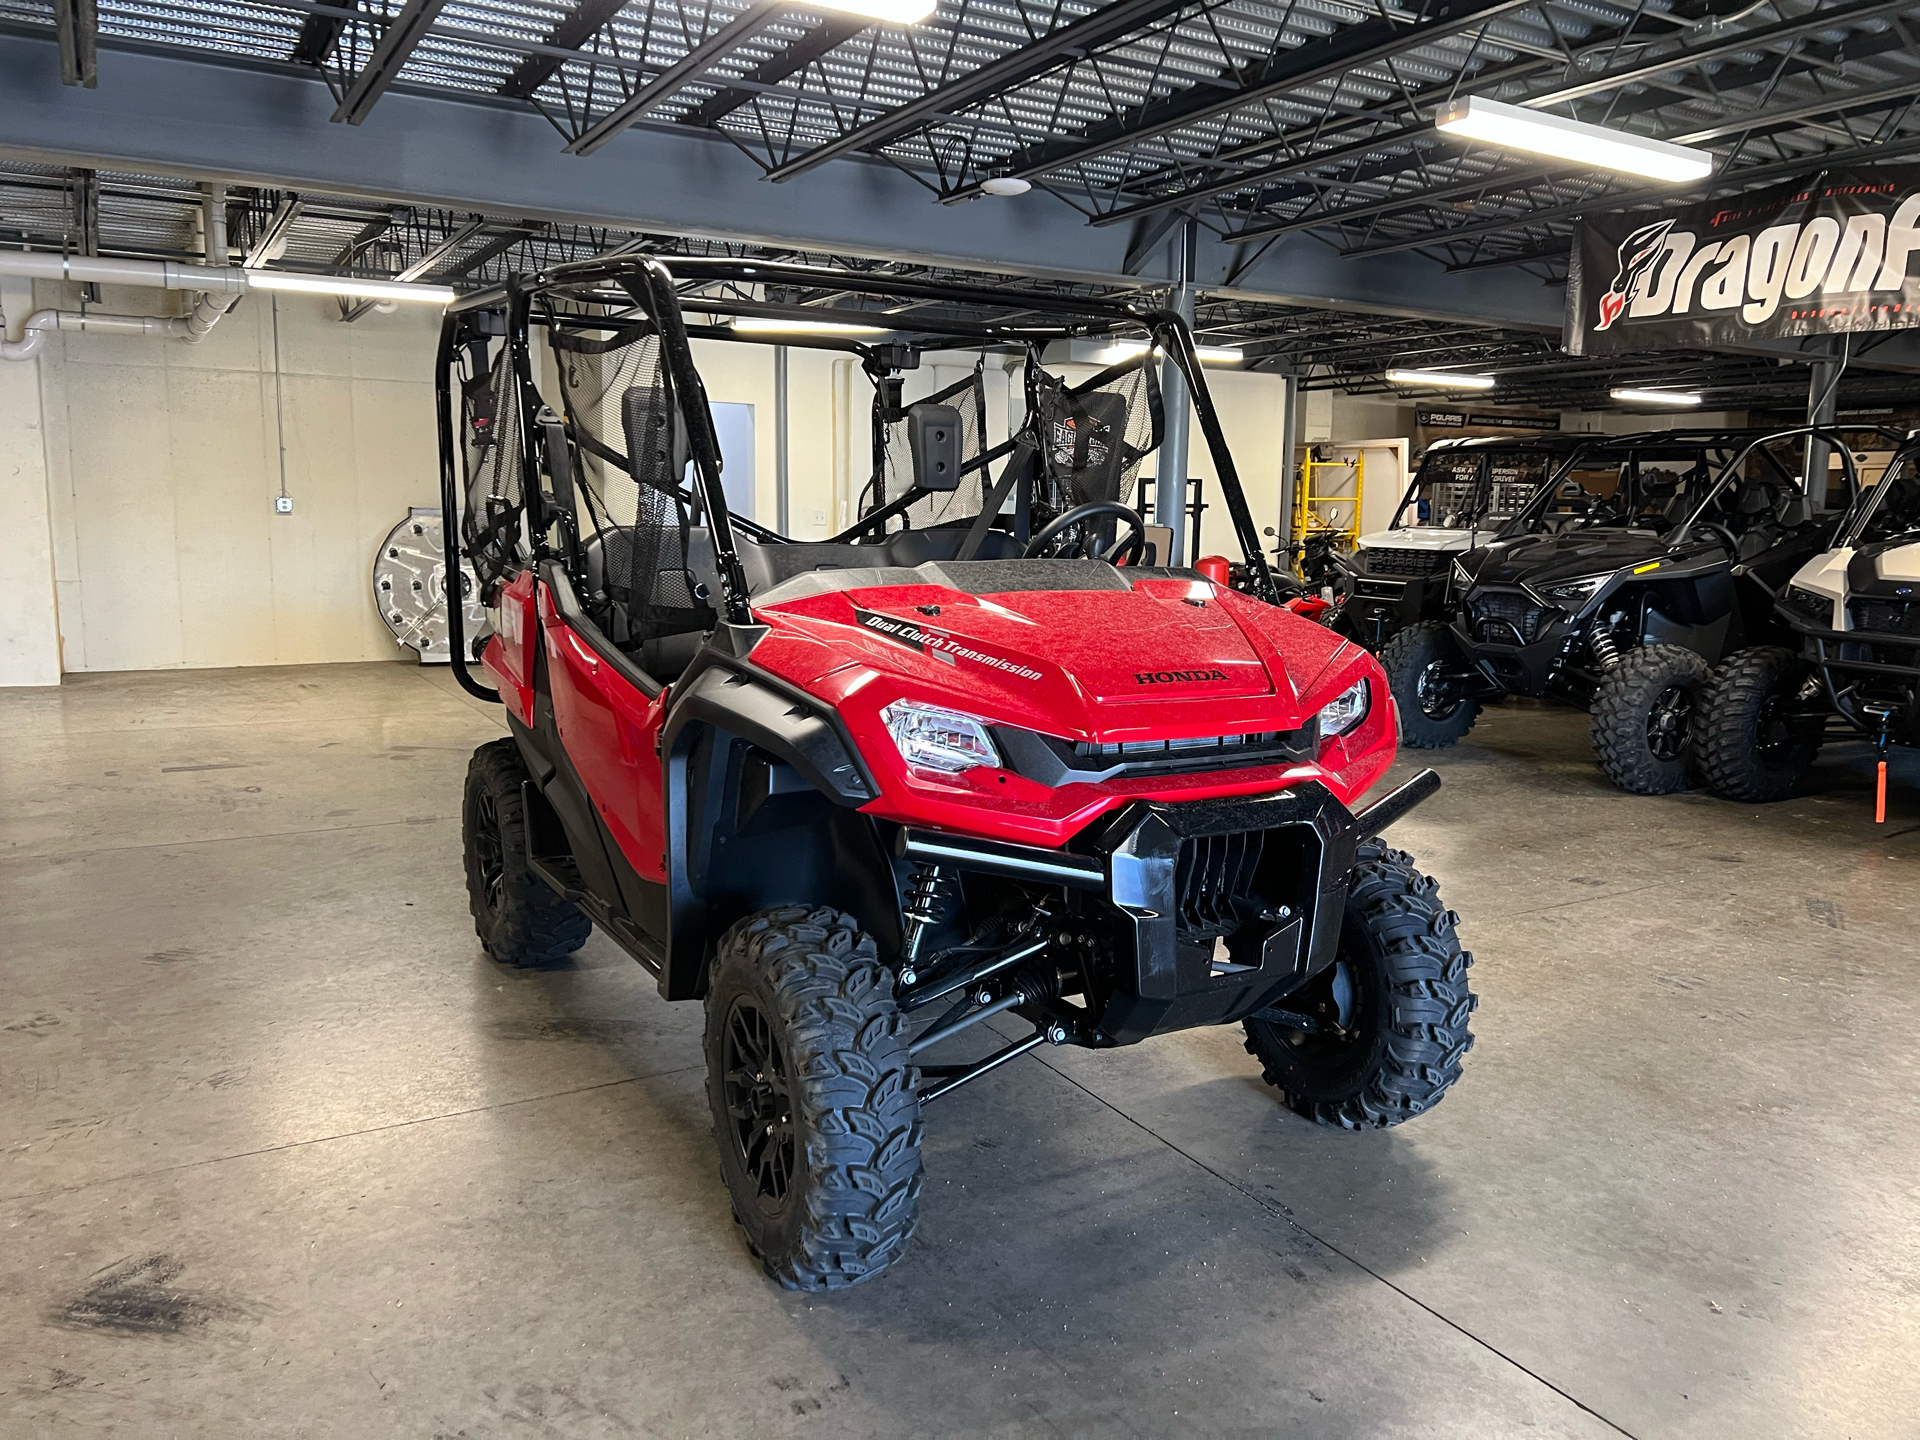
<point x="1006" y="185"/>
<point x="1654" y="397"/>
<point x="1441" y="379"/>
<point x="894" y="12"/>
<point x="1513" y="127"/>
<point x="347" y="286"/>
<point x="1209" y="354"/>
<point x="756" y="325"/>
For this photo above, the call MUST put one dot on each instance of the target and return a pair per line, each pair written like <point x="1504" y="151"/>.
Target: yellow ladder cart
<point x="1318" y="510"/>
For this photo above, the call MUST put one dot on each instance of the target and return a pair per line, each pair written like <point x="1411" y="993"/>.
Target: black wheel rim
<point x="1437" y="691"/>
<point x="1667" y="723"/>
<point x="488" y="850"/>
<point x="1332" y="1005"/>
<point x="759" y="1100"/>
<point x="1778" y="733"/>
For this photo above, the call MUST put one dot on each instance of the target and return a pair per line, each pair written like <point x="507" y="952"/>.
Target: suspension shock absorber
<point x="920" y="911"/>
<point x="1606" y="649"/>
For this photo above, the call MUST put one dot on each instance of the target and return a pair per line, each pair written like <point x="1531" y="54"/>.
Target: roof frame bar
<point x="1351" y="46"/>
<point x="404" y="32"/>
<point x="78" y="25"/>
<point x="1103" y="26"/>
<point x="682" y="73"/>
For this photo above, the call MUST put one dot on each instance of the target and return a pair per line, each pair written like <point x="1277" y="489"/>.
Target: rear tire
<point x="1643" y="719"/>
<point x="1416" y="659"/>
<point x="1390" y="1014"/>
<point x="814" y="1107"/>
<point x="518" y="918"/>
<point x="1744" y="749"/>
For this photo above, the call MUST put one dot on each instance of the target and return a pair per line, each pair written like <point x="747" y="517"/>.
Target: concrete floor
<point x="283" y="1154"/>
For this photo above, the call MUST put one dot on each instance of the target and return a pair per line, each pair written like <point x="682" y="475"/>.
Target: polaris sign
<point x="1821" y="257"/>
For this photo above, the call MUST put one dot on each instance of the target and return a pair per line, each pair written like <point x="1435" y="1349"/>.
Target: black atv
<point x="1854" y="668"/>
<point x="1463" y="494"/>
<point x="1618" y="589"/>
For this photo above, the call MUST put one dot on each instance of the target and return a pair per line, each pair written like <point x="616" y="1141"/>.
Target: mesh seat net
<point x="490" y="529"/>
<point x="1093" y="437"/>
<point x="630" y="480"/>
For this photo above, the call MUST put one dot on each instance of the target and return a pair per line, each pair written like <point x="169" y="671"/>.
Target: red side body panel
<point x="509" y="655"/>
<point x="610" y="730"/>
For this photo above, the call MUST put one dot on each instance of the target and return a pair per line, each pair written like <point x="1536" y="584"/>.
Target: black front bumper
<point x="1878" y="667"/>
<point x="1273" y="868"/>
<point x="1210" y="909"/>
<point x="1517" y="658"/>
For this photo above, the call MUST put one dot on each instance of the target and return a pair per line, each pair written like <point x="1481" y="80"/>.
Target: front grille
<point x="1213" y="872"/>
<point x="1404" y="562"/>
<point x="1204" y="752"/>
<point x="1886" y="617"/>
<point x="1199" y="747"/>
<point x="1498" y="614"/>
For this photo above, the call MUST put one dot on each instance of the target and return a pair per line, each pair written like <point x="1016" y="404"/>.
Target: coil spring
<point x="1606" y="649"/>
<point x="920" y="910"/>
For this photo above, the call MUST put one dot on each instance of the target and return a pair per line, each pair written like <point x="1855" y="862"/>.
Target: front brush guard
<point x="1289" y="924"/>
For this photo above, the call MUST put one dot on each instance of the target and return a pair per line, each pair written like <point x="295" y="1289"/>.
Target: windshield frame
<point x="1870" y="497"/>
<point x="1482" y="452"/>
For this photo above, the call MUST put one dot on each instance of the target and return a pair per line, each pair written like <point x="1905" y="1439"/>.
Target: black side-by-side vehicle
<point x="1617" y="588"/>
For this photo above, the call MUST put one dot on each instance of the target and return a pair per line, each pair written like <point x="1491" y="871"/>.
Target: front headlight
<point x="1345" y="711"/>
<point x="1572" y="594"/>
<point x="930" y="738"/>
<point x="1810" y="606"/>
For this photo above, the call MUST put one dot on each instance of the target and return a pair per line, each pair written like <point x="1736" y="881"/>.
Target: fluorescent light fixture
<point x="1209" y="354"/>
<point x="1441" y="379"/>
<point x="894" y="12"/>
<point x="1654" y="397"/>
<point x="347" y="286"/>
<point x="1514" y="127"/>
<point x="756" y="325"/>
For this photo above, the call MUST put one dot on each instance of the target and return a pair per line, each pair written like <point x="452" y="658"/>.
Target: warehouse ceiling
<point x="1267" y="126"/>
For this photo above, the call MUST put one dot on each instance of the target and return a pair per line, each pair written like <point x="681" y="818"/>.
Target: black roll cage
<point x="1741" y="443"/>
<point x="647" y="282"/>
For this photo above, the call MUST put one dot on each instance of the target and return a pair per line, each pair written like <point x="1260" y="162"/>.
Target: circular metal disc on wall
<point x="410" y="586"/>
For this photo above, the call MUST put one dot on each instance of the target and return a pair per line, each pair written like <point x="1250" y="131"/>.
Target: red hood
<point x="1166" y="656"/>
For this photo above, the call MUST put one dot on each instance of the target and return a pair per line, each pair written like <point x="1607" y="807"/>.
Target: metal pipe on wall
<point x="222" y="287"/>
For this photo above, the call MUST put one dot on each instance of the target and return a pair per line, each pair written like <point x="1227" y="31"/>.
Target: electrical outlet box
<point x="283" y="504"/>
<point x="819" y="519"/>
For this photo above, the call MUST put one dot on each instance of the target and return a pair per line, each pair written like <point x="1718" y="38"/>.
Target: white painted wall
<point x="163" y="464"/>
<point x="29" y="621"/>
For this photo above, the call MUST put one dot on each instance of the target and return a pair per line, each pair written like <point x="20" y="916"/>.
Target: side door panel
<point x="610" y="730"/>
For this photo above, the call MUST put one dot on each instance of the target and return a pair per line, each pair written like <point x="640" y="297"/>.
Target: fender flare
<point x="771" y="715"/>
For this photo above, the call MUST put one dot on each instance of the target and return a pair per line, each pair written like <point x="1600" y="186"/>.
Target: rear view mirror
<point x="933" y="438"/>
<point x="656" y="434"/>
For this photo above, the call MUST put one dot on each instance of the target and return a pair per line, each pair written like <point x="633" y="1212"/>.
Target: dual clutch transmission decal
<point x="938" y="644"/>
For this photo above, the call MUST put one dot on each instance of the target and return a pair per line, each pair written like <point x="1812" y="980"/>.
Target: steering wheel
<point x="1127" y="550"/>
<point x="1732" y="541"/>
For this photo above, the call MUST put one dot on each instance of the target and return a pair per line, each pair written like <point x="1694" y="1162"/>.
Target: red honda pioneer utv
<point x="967" y="761"/>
